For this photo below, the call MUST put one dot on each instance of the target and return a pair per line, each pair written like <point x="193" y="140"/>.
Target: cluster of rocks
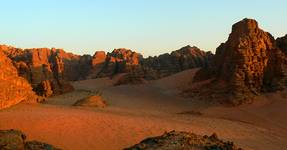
<point x="251" y="61"/>
<point x="16" y="140"/>
<point x="184" y="141"/>
<point x="14" y="89"/>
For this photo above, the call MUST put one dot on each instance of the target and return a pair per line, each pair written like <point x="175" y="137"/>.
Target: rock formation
<point x="128" y="78"/>
<point x="48" y="67"/>
<point x="166" y="64"/>
<point x="137" y="68"/>
<point x="120" y="61"/>
<point x="98" y="63"/>
<point x="184" y="141"/>
<point x="92" y="101"/>
<point x="16" y="140"/>
<point x="246" y="64"/>
<point x="14" y="89"/>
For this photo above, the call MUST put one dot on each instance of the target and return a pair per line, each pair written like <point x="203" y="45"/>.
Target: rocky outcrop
<point x="14" y="89"/>
<point x="120" y="61"/>
<point x="92" y="101"/>
<point x="128" y="78"/>
<point x="137" y="68"/>
<point x="246" y="64"/>
<point x="48" y="69"/>
<point x="98" y="63"/>
<point x="54" y="66"/>
<point x="184" y="141"/>
<point x="166" y="64"/>
<point x="16" y="140"/>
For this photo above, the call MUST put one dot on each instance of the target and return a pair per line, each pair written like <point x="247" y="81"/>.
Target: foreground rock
<point x="183" y="141"/>
<point x="92" y="101"/>
<point x="13" y="88"/>
<point x="16" y="140"/>
<point x="247" y="64"/>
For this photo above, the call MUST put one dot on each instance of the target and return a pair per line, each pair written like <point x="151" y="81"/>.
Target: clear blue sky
<point x="149" y="26"/>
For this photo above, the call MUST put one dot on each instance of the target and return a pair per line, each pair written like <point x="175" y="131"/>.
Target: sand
<point x="139" y="111"/>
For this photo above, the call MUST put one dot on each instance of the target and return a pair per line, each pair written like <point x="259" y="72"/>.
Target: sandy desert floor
<point x="139" y="111"/>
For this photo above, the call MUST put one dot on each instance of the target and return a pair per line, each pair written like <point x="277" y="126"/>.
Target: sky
<point x="150" y="27"/>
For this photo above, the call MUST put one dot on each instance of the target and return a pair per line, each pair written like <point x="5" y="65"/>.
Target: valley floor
<point x="135" y="112"/>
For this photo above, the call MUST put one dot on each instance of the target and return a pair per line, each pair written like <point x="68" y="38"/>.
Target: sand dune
<point x="139" y="111"/>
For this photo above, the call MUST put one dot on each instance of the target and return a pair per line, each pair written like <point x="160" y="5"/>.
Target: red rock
<point x="166" y="64"/>
<point x="246" y="64"/>
<point x="42" y="64"/>
<point x="13" y="88"/>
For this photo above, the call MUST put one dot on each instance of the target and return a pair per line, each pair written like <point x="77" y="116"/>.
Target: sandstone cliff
<point x="51" y="68"/>
<point x="14" y="89"/>
<point x="248" y="63"/>
<point x="166" y="64"/>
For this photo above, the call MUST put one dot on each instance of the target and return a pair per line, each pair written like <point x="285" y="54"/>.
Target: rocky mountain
<point x="14" y="89"/>
<point x="248" y="63"/>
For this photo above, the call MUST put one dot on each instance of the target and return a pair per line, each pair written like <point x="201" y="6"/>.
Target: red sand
<point x="137" y="112"/>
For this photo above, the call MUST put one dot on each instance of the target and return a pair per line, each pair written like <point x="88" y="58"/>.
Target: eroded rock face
<point x="41" y="65"/>
<point x="14" y="89"/>
<point x="248" y="62"/>
<point x="120" y="61"/>
<point x="54" y="65"/>
<point x="16" y="140"/>
<point x="166" y="64"/>
<point x="98" y="63"/>
<point x="184" y="141"/>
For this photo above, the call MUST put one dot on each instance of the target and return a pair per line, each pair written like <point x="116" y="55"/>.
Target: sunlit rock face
<point x="98" y="62"/>
<point x="120" y="61"/>
<point x="13" y="88"/>
<point x="246" y="64"/>
<point x="43" y="64"/>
